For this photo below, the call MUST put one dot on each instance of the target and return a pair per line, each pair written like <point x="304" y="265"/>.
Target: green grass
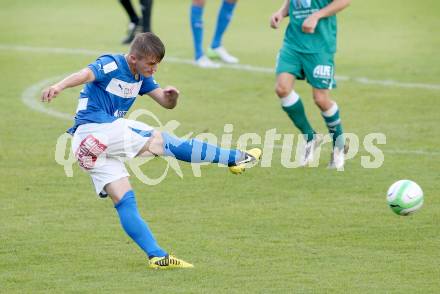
<point x="272" y="230"/>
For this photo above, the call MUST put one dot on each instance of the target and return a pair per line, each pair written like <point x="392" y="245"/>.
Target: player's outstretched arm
<point x="334" y="7"/>
<point x="278" y="16"/>
<point x="81" y="77"/>
<point x="166" y="97"/>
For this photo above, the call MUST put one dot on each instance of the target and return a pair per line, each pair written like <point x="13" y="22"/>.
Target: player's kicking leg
<point x="123" y="197"/>
<point x="196" y="151"/>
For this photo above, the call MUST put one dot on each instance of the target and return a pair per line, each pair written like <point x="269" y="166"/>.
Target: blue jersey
<point x="112" y="93"/>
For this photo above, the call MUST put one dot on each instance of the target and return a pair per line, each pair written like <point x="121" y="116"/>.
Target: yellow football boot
<point x="168" y="262"/>
<point x="252" y="157"/>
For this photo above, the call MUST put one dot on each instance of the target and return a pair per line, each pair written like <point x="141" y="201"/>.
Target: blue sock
<point x="223" y="19"/>
<point x="197" y="151"/>
<point x="135" y="226"/>
<point x="197" y="30"/>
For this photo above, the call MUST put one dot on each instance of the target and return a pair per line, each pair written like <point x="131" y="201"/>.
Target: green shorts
<point x="316" y="68"/>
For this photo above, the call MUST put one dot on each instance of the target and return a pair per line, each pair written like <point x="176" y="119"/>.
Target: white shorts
<point x="101" y="149"/>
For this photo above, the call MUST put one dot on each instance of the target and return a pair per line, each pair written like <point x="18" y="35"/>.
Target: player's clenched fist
<point x="171" y="92"/>
<point x="276" y="19"/>
<point x="48" y="94"/>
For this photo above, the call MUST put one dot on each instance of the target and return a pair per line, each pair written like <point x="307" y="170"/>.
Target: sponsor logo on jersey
<point x="123" y="89"/>
<point x="302" y="3"/>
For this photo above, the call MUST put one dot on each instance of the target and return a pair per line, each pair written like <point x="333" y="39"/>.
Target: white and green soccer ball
<point x="405" y="197"/>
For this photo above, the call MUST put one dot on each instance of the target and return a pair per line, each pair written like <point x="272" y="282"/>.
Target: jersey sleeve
<point x="103" y="67"/>
<point x="148" y="85"/>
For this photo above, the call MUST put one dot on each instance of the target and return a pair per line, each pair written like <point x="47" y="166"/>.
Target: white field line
<point x="240" y="67"/>
<point x="30" y="97"/>
<point x="413" y="152"/>
<point x="392" y="151"/>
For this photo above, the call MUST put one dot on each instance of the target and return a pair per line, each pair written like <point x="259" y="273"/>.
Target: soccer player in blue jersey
<point x="216" y="50"/>
<point x="102" y="138"/>
<point x="308" y="53"/>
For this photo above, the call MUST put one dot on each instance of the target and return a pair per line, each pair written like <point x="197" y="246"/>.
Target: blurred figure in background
<point x="216" y="50"/>
<point x="308" y="54"/>
<point x="137" y="25"/>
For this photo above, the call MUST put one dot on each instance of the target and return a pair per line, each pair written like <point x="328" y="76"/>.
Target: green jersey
<point x="324" y="37"/>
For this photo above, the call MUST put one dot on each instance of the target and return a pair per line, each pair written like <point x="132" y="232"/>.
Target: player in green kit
<point x="308" y="53"/>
